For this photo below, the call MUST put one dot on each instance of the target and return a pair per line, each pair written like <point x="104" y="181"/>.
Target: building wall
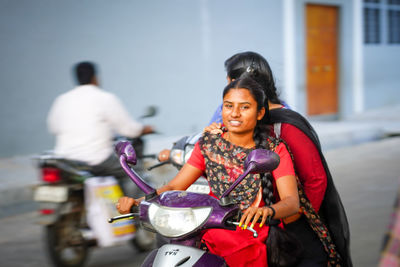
<point x="164" y="53"/>
<point x="381" y="76"/>
<point x="381" y="71"/>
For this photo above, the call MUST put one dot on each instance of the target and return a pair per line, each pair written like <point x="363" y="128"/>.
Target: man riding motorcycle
<point x="85" y="120"/>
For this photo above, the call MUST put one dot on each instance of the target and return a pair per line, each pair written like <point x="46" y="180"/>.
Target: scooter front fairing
<point x="182" y="256"/>
<point x="180" y="214"/>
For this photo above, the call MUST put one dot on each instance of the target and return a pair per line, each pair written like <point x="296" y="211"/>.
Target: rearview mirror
<point x="258" y="161"/>
<point x="261" y="161"/>
<point x="126" y="148"/>
<point x="149" y="112"/>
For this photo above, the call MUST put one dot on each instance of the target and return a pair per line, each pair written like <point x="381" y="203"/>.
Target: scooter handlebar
<point x="158" y="165"/>
<point x="124" y="216"/>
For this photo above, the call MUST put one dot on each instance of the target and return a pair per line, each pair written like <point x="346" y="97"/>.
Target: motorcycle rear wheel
<point x="65" y="244"/>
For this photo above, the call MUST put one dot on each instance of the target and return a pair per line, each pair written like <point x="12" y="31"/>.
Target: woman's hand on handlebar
<point x="254" y="213"/>
<point x="125" y="204"/>
<point x="214" y="128"/>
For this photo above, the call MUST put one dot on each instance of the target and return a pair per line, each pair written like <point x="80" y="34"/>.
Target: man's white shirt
<point x="85" y="120"/>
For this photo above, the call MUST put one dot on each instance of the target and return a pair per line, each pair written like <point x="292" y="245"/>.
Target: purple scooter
<point x="183" y="216"/>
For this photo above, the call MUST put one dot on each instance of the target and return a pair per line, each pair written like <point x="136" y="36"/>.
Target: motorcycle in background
<point x="165" y="213"/>
<point x="179" y="154"/>
<point x="63" y="208"/>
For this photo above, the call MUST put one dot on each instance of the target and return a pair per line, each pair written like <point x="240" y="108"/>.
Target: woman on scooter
<point x="310" y="165"/>
<point x="221" y="158"/>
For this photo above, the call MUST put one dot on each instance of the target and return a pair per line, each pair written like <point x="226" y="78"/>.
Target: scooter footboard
<point x="178" y="255"/>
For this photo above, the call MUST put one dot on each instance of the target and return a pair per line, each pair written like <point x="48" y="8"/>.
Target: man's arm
<point x="121" y="121"/>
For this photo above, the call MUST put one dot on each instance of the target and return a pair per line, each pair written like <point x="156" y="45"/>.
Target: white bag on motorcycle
<point x="101" y="195"/>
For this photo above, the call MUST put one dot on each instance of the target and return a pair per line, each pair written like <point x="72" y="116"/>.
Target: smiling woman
<point x="238" y="113"/>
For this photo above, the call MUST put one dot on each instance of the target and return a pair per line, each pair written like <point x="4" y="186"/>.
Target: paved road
<point x="367" y="177"/>
<point x="20" y="245"/>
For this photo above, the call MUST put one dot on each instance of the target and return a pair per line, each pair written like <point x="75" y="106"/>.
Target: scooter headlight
<point x="177" y="157"/>
<point x="175" y="222"/>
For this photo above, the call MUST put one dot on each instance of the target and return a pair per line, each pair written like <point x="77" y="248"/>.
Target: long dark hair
<point x="283" y="248"/>
<point x="255" y="65"/>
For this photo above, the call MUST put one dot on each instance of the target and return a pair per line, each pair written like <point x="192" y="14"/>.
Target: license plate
<point x="56" y="194"/>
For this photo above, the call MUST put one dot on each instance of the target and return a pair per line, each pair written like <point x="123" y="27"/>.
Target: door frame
<point x="344" y="57"/>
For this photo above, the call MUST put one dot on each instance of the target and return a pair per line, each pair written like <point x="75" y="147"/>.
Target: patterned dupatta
<point x="224" y="164"/>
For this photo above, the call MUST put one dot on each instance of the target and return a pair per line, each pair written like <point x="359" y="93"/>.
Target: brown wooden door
<point x="321" y="45"/>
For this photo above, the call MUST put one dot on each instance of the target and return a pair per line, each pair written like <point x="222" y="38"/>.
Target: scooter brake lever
<point x="255" y="234"/>
<point x="157" y="165"/>
<point x="124" y="216"/>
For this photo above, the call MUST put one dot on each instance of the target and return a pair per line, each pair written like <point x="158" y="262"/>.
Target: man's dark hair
<point x="85" y="71"/>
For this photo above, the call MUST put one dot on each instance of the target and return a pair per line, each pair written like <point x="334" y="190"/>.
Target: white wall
<point x="164" y="53"/>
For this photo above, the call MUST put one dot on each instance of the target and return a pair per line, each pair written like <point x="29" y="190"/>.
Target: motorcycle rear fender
<point x="58" y="209"/>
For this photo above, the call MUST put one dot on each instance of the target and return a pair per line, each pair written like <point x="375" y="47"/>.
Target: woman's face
<point x="239" y="111"/>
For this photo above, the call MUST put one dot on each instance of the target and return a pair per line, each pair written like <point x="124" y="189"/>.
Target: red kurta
<point x="285" y="166"/>
<point x="307" y="162"/>
<point x="239" y="248"/>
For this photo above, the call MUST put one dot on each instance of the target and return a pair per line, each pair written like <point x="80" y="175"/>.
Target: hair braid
<point x="284" y="249"/>
<point x="261" y="134"/>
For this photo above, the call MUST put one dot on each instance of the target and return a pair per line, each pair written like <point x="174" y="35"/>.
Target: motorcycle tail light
<point x="51" y="175"/>
<point x="46" y="211"/>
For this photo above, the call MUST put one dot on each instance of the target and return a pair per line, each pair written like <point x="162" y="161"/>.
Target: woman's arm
<point x="287" y="206"/>
<point x="288" y="193"/>
<point x="286" y="185"/>
<point x="185" y="177"/>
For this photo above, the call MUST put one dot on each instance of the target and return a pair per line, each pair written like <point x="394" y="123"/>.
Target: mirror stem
<point x="238" y="180"/>
<point x="147" y="189"/>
